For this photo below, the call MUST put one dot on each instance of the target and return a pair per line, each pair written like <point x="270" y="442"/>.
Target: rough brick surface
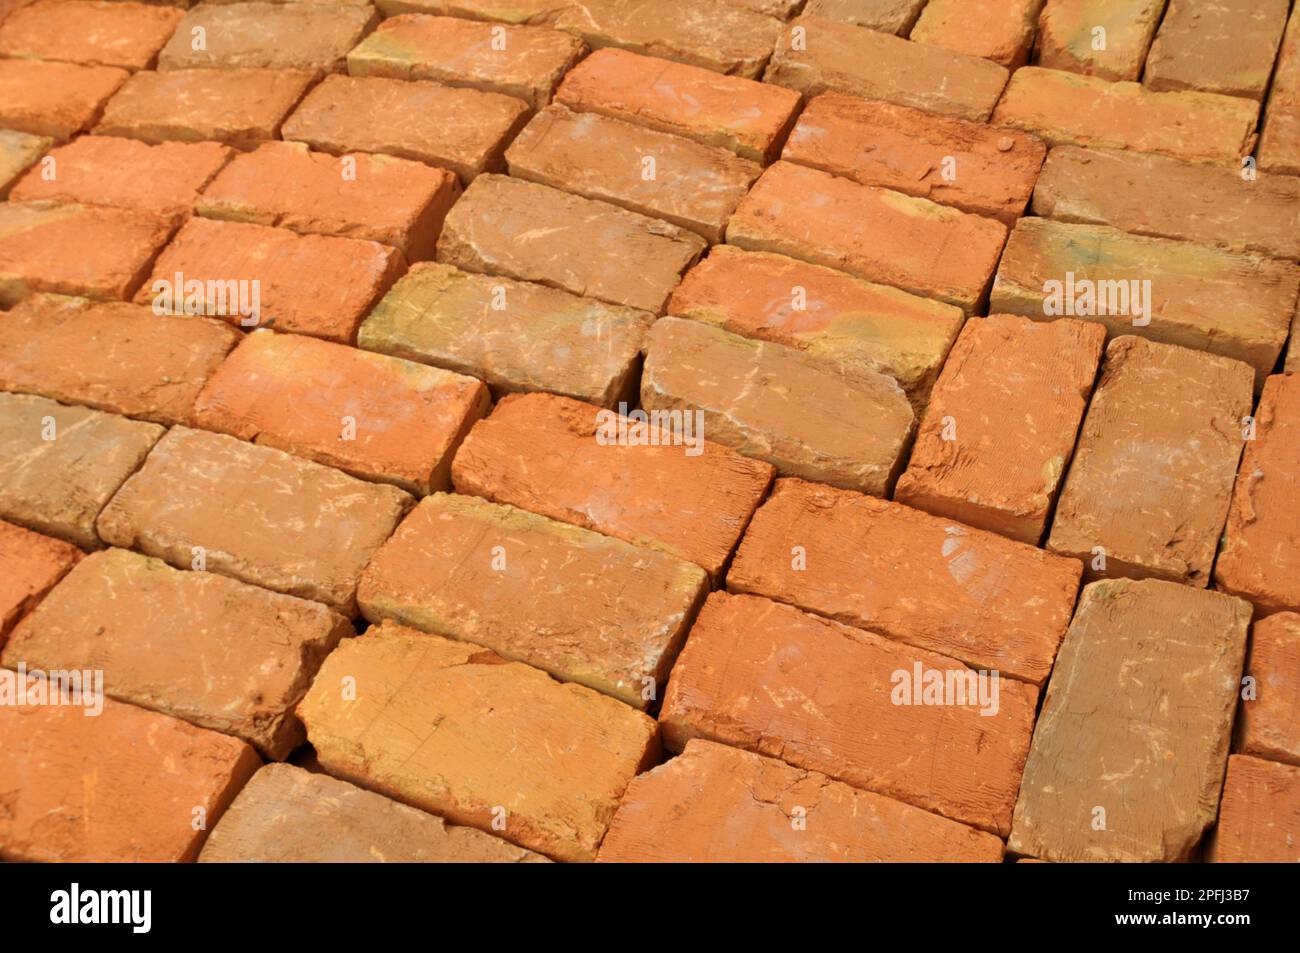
<point x="1270" y="721"/>
<point x="1153" y="471"/>
<point x="451" y="728"/>
<point x="589" y="248"/>
<point x="121" y="358"/>
<point x="193" y="645"/>
<point x="276" y="36"/>
<point x="999" y="30"/>
<point x="1106" y="38"/>
<point x="54" y="99"/>
<point x="877" y="234"/>
<point x="253" y="513"/>
<point x="18" y="151"/>
<point x="505" y="11"/>
<point x="370" y="415"/>
<point x="514" y="335"/>
<point x="1001" y="423"/>
<point x="766" y="677"/>
<point x="30" y="564"/>
<point x="1259" y="817"/>
<point x="730" y="112"/>
<point x="584" y="607"/>
<point x="76" y="783"/>
<point x="888" y="16"/>
<point x="545" y="454"/>
<point x="718" y="804"/>
<point x="127" y="35"/>
<point x="1136" y="723"/>
<point x="1260" y="556"/>
<point x="1224" y="47"/>
<point x="988" y="601"/>
<point x="1279" y="144"/>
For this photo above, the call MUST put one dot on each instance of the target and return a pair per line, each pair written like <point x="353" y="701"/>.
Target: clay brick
<point x="717" y="804"/>
<point x="584" y="607"/>
<point x="1260" y="556"/>
<point x="240" y="107"/>
<point x="193" y="645"/>
<point x="816" y="55"/>
<point x="1001" y="423"/>
<point x="729" y="112"/>
<point x="374" y="416"/>
<point x="57" y="486"/>
<point x="505" y="11"/>
<point x="1279" y="145"/>
<point x="999" y="30"/>
<point x="30" y="565"/>
<point x="18" y="150"/>
<point x="1167" y="198"/>
<point x="127" y="35"/>
<point x="876" y="234"/>
<point x="57" y="100"/>
<point x="288" y="815"/>
<point x="1225" y="47"/>
<point x="76" y="788"/>
<point x="314" y="37"/>
<point x="1136" y="723"/>
<point x="1069" y="37"/>
<point x="459" y="129"/>
<point x="117" y="357"/>
<point x="835" y="318"/>
<point x="1184" y="303"/>
<point x="514" y="335"/>
<point x="590" y="248"/>
<point x="1086" y="111"/>
<point x="888" y="16"/>
<point x="253" y="513"/>
<point x="909" y="151"/>
<point x="1152" y="474"/>
<point x="1269" y="720"/>
<point x="766" y="677"/>
<point x="1293" y="350"/>
<point x="290" y="294"/>
<point x="524" y="62"/>
<point x="545" y="454"/>
<point x="848" y="429"/>
<point x="920" y="579"/>
<point x="710" y="33"/>
<point x="125" y="173"/>
<point x="453" y="729"/>
<point x="653" y="173"/>
<point x="781" y="9"/>
<point x="1259" y="818"/>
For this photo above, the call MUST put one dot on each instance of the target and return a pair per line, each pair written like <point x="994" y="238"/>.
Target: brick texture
<point x="1269" y="722"/>
<point x="1106" y="38"/>
<point x="18" y="151"/>
<point x="54" y="99"/>
<point x="1258" y="817"/>
<point x="315" y="37"/>
<point x="1279" y="144"/>
<point x="999" y="30"/>
<point x="126" y="35"/>
<point x="31" y="565"/>
<point x="1227" y="47"/>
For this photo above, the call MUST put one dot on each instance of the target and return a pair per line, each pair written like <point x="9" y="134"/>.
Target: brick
<point x="590" y="248"/>
<point x="837" y="319"/>
<point x="194" y="645"/>
<point x="1227" y="47"/>
<point x="1259" y="559"/>
<point x="876" y="234"/>
<point x="125" y="173"/>
<point x="18" y="151"/>
<point x="116" y="357"/>
<point x="1067" y="108"/>
<point x="1279" y="144"/>
<point x="781" y="9"/>
<point x="58" y="486"/>
<point x="453" y="729"/>
<point x="710" y="33"/>
<point x="126" y="35"/>
<point x="1183" y="303"/>
<point x="994" y="29"/>
<point x="288" y="815"/>
<point x="1259" y="818"/>
<point x="1269" y="720"/>
<point x="520" y="61"/>
<point x="579" y="605"/>
<point x="816" y="55"/>
<point x="1153" y="470"/>
<point x="766" y="677"/>
<point x="774" y="403"/>
<point x="314" y="37"/>
<point x="515" y="336"/>
<point x="374" y="416"/>
<point x="30" y="565"/>
<point x="729" y="112"/>
<point x="1136" y="724"/>
<point x="253" y="513"/>
<point x="505" y="11"/>
<point x="888" y="16"/>
<point x="694" y="186"/>
<point x="717" y="804"/>
<point x="909" y="151"/>
<point x="288" y="268"/>
<point x="1293" y="350"/>
<point x="75" y="791"/>
<point x="240" y="107"/>
<point x="1167" y="198"/>
<point x="1001" y="424"/>
<point x="57" y="100"/>
<point x="1070" y="32"/>
<point x="545" y="454"/>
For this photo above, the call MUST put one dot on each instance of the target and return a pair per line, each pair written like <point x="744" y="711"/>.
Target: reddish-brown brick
<point x="1279" y="145"/>
<point x="888" y="16"/>
<point x="1270" y="719"/>
<point x="127" y="35"/>
<point x="30" y="565"/>
<point x="57" y="100"/>
<point x="18" y="151"/>
<point x="999" y="30"/>
<point x="1259" y="817"/>
<point x="1223" y="47"/>
<point x="278" y="36"/>
<point x="1106" y="38"/>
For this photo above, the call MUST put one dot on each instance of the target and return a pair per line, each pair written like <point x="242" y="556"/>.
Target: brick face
<point x="276" y="36"/>
<point x="888" y="16"/>
<point x="18" y="151"/>
<point x="54" y="99"/>
<point x="126" y="35"/>
<point x="1269" y="722"/>
<point x="999" y="30"/>
<point x="1106" y="38"/>
<point x="30" y="565"/>
<point x="1279" y="144"/>
<point x="1257" y="819"/>
<point x="1227" y="47"/>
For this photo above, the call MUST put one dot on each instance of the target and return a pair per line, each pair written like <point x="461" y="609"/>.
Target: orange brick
<point x="1269" y="719"/>
<point x="1226" y="47"/>
<point x="1279" y="145"/>
<point x="1259" y="818"/>
<point x="127" y="35"/>
<point x="999" y="30"/>
<point x="887" y="16"/>
<point x="30" y="565"/>
<point x="314" y="37"/>
<point x="57" y="100"/>
<point x="1106" y="38"/>
<point x="505" y="11"/>
<point x="18" y="151"/>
